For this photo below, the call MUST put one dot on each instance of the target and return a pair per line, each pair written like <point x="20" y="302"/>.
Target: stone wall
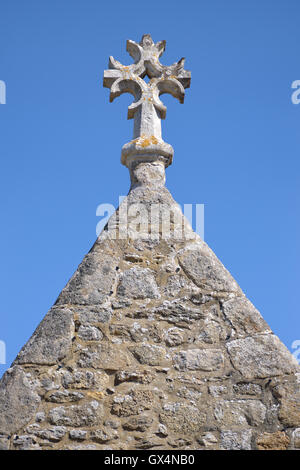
<point x="151" y="345"/>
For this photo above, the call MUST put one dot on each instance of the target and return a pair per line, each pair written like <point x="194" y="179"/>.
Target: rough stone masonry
<point x="151" y="344"/>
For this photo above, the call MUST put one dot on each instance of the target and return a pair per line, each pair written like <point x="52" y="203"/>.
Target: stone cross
<point x="147" y="108"/>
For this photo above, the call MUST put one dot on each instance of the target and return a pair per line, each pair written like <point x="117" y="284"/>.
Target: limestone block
<point x="89" y="333"/>
<point x="296" y="438"/>
<point x="149" y="354"/>
<point x="199" y="359"/>
<point x="289" y="412"/>
<point x="240" y="412"/>
<point x="287" y="391"/>
<point x="174" y="336"/>
<point x="88" y="414"/>
<point x="103" y="356"/>
<point x="202" y="266"/>
<point x="274" y="357"/>
<point x="78" y="435"/>
<point x="51" y="341"/>
<point x="25" y="442"/>
<point x="182" y="418"/>
<point x="85" y="379"/>
<point x="64" y="396"/>
<point x="272" y="441"/>
<point x="18" y="400"/>
<point x="138" y="283"/>
<point x="104" y="435"/>
<point x="247" y="388"/>
<point x="178" y="311"/>
<point x="138" y="423"/>
<point x="217" y="390"/>
<point x="4" y="442"/>
<point x="208" y="439"/>
<point x="52" y="434"/>
<point x="141" y="376"/>
<point x="236" y="440"/>
<point x="244" y="317"/>
<point x="133" y="403"/>
<point x="90" y="314"/>
<point x="92" y="282"/>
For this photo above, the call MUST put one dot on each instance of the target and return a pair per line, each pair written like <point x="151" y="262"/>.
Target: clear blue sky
<point x="236" y="142"/>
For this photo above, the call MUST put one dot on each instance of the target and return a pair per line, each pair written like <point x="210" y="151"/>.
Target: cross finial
<point x="147" y="108"/>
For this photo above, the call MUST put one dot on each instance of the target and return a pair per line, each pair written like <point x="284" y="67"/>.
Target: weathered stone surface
<point x="202" y="266"/>
<point x="211" y="333"/>
<point x="132" y="404"/>
<point x="4" y="442"/>
<point x="40" y="417"/>
<point x="273" y="441"/>
<point x="112" y="423"/>
<point x="274" y="357"/>
<point x="199" y="359"/>
<point x="52" y="434"/>
<point x="18" y="400"/>
<point x="191" y="393"/>
<point x="138" y="283"/>
<point x="287" y="391"/>
<point x="142" y="376"/>
<point x="104" y="435"/>
<point x="244" y="317"/>
<point x="217" y="390"/>
<point x="77" y="415"/>
<point x="289" y="412"/>
<point x="247" y="388"/>
<point x="78" y="435"/>
<point x="92" y="282"/>
<point x="85" y="379"/>
<point x="91" y="314"/>
<point x="89" y="333"/>
<point x="179" y="443"/>
<point x="175" y="285"/>
<point x="236" y="440"/>
<point x="240" y="412"/>
<point x="103" y="356"/>
<point x="174" y="336"/>
<point x="64" y="396"/>
<point x="149" y="354"/>
<point x="25" y="443"/>
<point x="150" y="443"/>
<point x="51" y="341"/>
<point x="296" y="438"/>
<point x="178" y="312"/>
<point x="135" y="332"/>
<point x="208" y="439"/>
<point x="138" y="423"/>
<point x="182" y="418"/>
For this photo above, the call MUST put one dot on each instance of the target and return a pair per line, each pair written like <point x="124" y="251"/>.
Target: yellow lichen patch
<point x="96" y="395"/>
<point x="146" y="141"/>
<point x="154" y="140"/>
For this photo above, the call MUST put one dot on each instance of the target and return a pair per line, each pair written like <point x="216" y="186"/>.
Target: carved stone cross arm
<point x="147" y="110"/>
